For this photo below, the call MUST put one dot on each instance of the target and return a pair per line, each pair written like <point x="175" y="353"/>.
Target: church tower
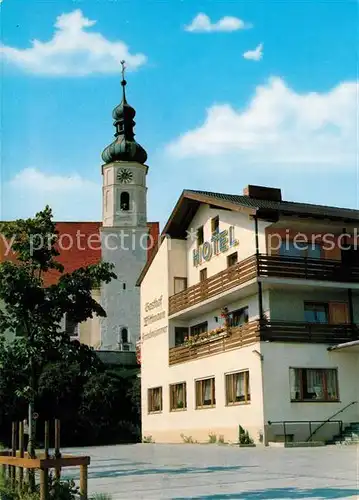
<point x="124" y="229"/>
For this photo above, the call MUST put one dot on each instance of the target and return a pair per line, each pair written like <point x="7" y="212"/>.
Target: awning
<point x="346" y="347"/>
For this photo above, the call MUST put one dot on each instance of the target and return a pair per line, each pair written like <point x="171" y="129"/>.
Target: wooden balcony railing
<point x="216" y="284"/>
<point x="255" y="331"/>
<point x="305" y="268"/>
<point x="237" y="337"/>
<point x="319" y="333"/>
<point x="265" y="266"/>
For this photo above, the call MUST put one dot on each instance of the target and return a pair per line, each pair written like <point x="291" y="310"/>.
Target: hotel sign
<point x="220" y="242"/>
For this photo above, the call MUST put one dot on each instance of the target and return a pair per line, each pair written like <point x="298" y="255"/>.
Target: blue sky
<point x="284" y="115"/>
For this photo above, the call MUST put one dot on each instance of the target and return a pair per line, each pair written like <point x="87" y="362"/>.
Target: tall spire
<point x="124" y="148"/>
<point x="123" y="81"/>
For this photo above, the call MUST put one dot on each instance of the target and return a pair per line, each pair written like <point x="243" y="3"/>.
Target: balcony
<point x="264" y="266"/>
<point x="203" y="347"/>
<point x="255" y="331"/>
<point x="233" y="276"/>
<point x="305" y="268"/>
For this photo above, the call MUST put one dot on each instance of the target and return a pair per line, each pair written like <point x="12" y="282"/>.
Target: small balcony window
<point x="203" y="274"/>
<point x="181" y="332"/>
<point x="232" y="259"/>
<point x="180" y="284"/>
<point x="300" y="249"/>
<point x="239" y="317"/>
<point x="316" y="312"/>
<point x="200" y="328"/>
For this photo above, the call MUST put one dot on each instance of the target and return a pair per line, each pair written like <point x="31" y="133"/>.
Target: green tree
<point x="34" y="311"/>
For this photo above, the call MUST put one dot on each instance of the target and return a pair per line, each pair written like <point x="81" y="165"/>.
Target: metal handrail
<point x="309" y="422"/>
<point x="330" y="419"/>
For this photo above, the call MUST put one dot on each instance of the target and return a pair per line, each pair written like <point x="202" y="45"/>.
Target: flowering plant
<point x="203" y="337"/>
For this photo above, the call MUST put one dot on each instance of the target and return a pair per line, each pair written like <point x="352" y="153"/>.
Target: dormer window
<point x="125" y="201"/>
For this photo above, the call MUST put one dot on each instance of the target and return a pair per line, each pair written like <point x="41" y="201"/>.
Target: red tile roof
<point x="80" y="246"/>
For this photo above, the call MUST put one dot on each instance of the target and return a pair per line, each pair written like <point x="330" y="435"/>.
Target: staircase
<point x="349" y="436"/>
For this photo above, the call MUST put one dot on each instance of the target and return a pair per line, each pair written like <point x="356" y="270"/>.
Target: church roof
<point x="79" y="247"/>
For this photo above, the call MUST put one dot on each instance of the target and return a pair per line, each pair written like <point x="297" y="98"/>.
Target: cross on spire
<point x="123" y="82"/>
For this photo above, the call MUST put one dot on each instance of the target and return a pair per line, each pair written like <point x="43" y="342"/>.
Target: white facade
<point x="124" y="243"/>
<point x="269" y="364"/>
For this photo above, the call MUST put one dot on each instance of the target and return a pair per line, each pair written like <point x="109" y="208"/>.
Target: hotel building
<point x="249" y="313"/>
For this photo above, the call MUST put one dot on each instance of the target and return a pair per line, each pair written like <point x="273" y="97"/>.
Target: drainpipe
<point x="350" y="300"/>
<point x="350" y="292"/>
<point x="260" y="297"/>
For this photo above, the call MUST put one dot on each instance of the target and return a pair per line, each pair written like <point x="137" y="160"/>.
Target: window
<point x="178" y="397"/>
<point x="71" y="327"/>
<point x="215" y="224"/>
<point x="316" y="312"/>
<point x="232" y="259"/>
<point x="311" y="384"/>
<point x="200" y="328"/>
<point x="124" y="286"/>
<point x="205" y="393"/>
<point x="350" y="256"/>
<point x="237" y="388"/>
<point x="200" y="236"/>
<point x="181" y="332"/>
<point x="239" y="317"/>
<point x="180" y="284"/>
<point x="125" y="201"/>
<point x="300" y="249"/>
<point x="203" y="274"/>
<point x="124" y="335"/>
<point x="154" y="400"/>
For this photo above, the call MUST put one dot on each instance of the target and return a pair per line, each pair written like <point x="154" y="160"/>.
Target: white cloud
<point x="202" y="24"/>
<point x="280" y="126"/>
<point x="71" y="197"/>
<point x="254" y="55"/>
<point x="73" y="51"/>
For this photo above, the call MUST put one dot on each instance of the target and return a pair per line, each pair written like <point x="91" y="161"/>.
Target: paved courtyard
<point x="219" y="472"/>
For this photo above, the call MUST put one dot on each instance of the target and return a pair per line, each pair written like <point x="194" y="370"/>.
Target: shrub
<point x="187" y="439"/>
<point x="212" y="438"/>
<point x="244" y="437"/>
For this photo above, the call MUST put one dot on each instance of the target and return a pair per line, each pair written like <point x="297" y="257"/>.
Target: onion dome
<point x="124" y="147"/>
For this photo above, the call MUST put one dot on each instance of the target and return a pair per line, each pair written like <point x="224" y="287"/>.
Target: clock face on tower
<point x="124" y="176"/>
